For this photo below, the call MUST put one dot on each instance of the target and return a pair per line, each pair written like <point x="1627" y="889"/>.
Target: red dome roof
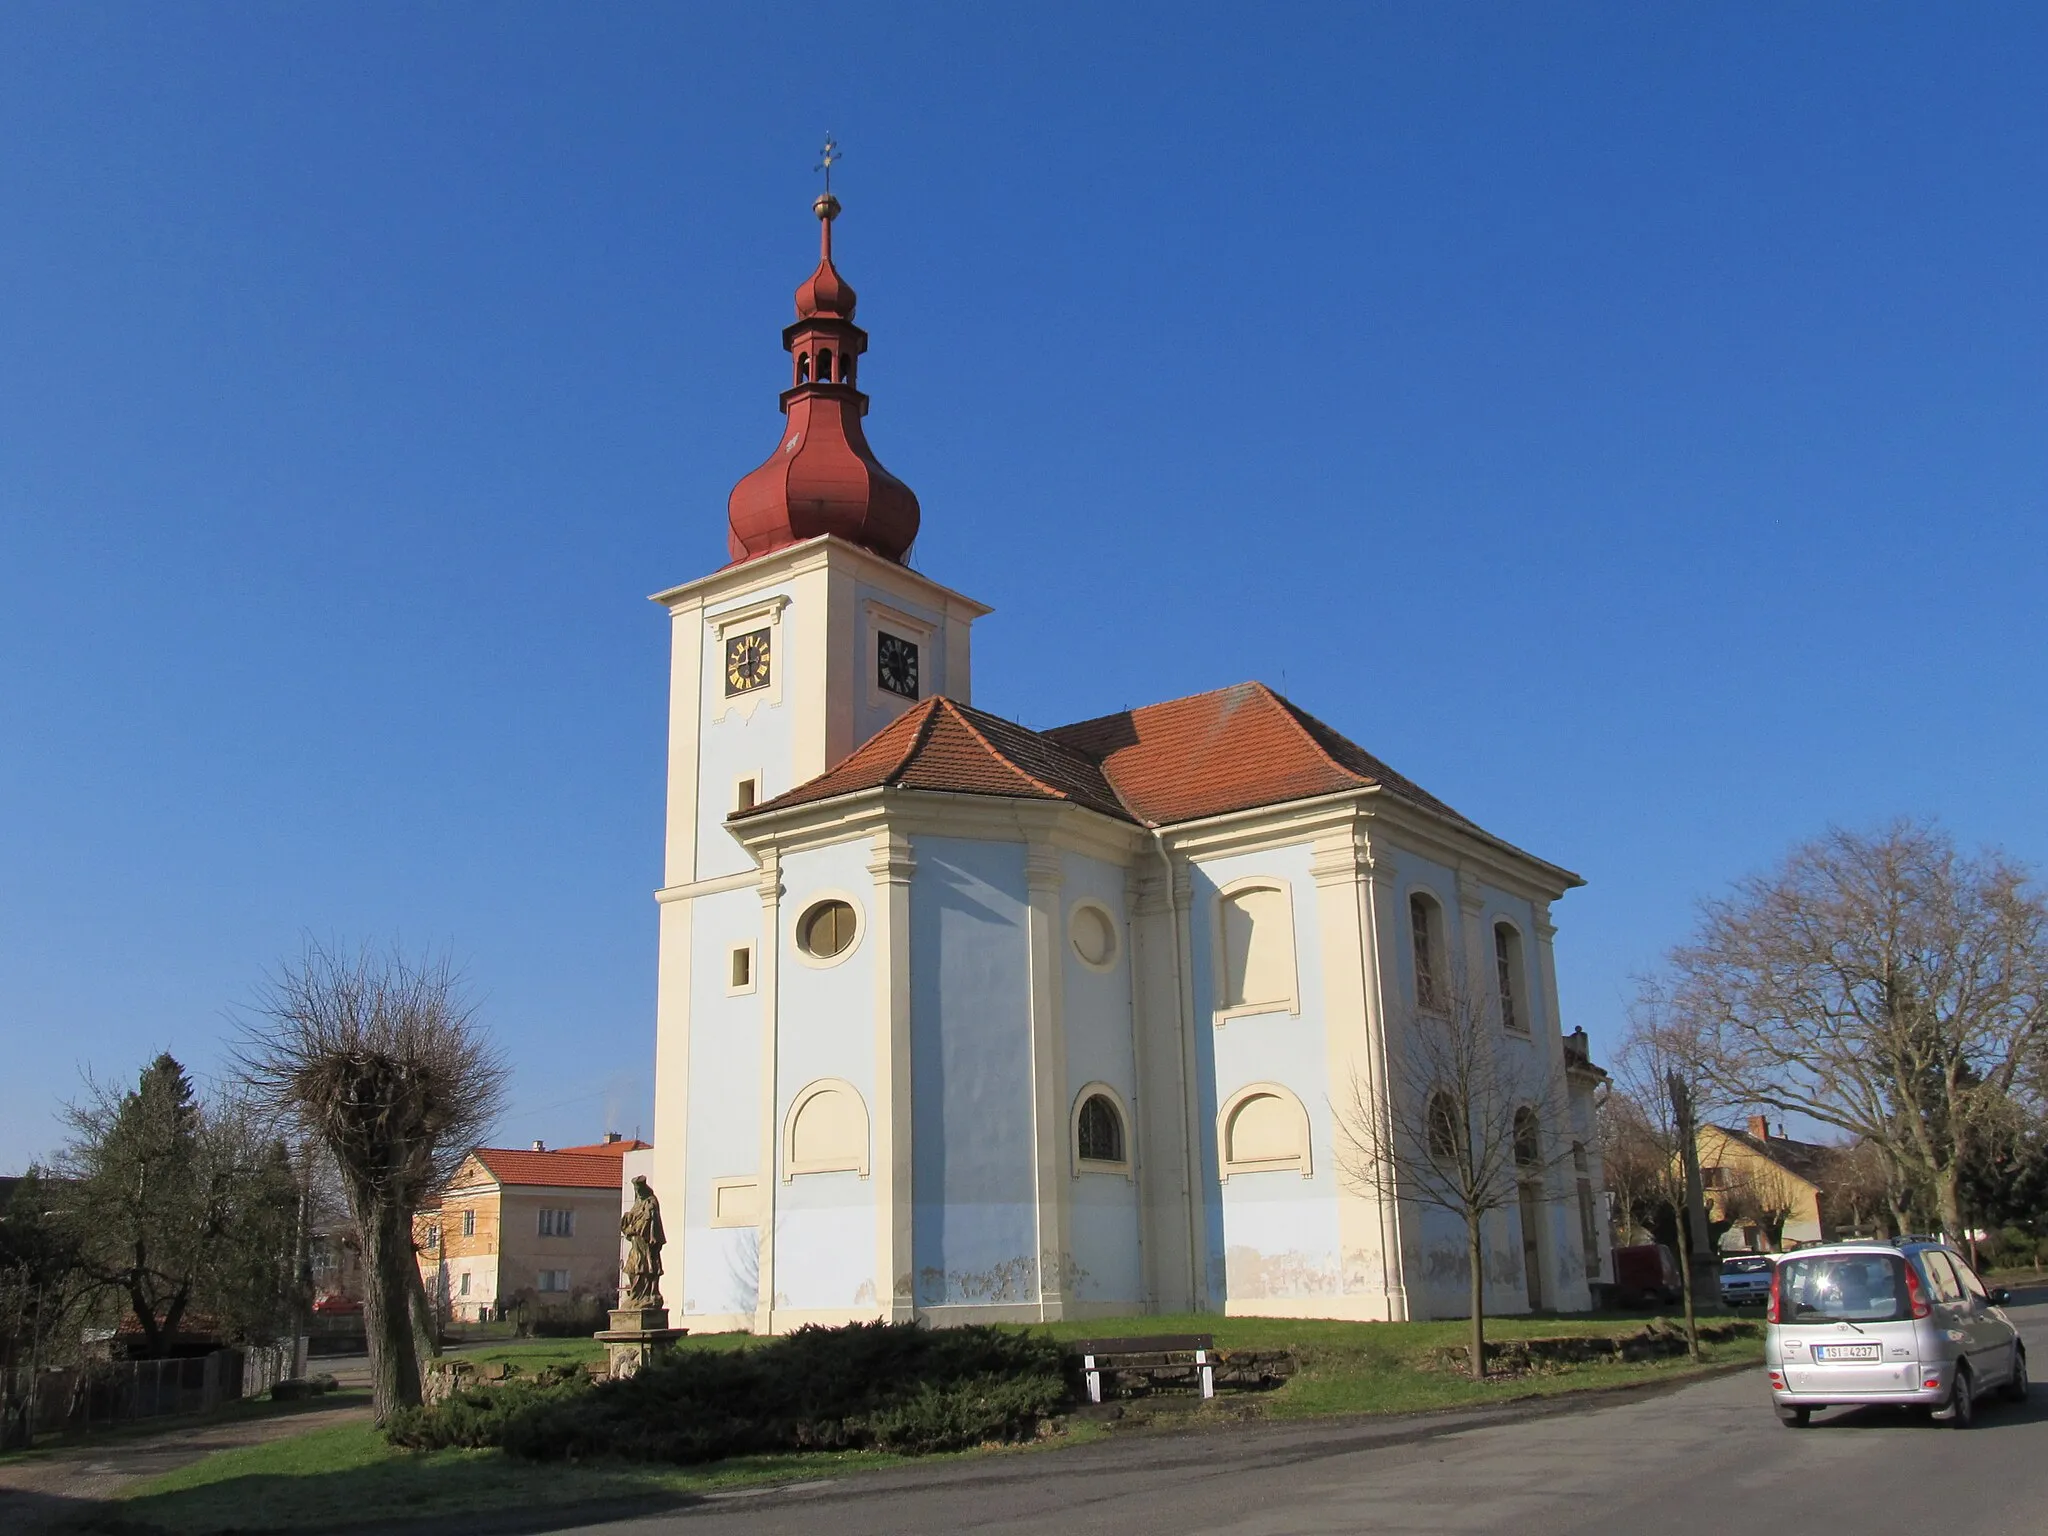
<point x="823" y="478"/>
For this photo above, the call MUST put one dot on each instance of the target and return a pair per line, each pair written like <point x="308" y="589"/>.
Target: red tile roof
<point x="948" y="747"/>
<point x="582" y="1169"/>
<point x="1230" y="750"/>
<point x="618" y="1148"/>
<point x="1234" y="749"/>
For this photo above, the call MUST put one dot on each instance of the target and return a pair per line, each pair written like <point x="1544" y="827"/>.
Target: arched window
<point x="1426" y="929"/>
<point x="1099" y="1130"/>
<point x="846" y="367"/>
<point x="1528" y="1139"/>
<point x="827" y="929"/>
<point x="803" y="367"/>
<point x="1440" y="1116"/>
<point x="827" y="1131"/>
<point x="824" y="365"/>
<point x="1263" y="1129"/>
<point x="1507" y="966"/>
<point x="1255" y="936"/>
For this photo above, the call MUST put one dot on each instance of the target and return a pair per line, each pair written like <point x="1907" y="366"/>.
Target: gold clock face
<point x="746" y="662"/>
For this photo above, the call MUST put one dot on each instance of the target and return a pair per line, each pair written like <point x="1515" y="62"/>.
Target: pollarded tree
<point x="1461" y="1127"/>
<point x="383" y="1060"/>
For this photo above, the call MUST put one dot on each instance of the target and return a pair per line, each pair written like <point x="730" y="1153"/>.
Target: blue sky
<point x="1627" y="421"/>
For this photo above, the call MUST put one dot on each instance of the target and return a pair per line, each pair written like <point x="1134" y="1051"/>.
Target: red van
<point x="1646" y="1275"/>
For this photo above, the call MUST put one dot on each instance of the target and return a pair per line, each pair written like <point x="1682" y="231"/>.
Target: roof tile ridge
<point x="918" y="737"/>
<point x="1009" y="762"/>
<point x="1293" y="713"/>
<point x="1045" y="737"/>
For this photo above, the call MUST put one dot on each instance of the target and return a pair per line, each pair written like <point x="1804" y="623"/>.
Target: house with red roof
<point x="964" y="1021"/>
<point x="534" y="1226"/>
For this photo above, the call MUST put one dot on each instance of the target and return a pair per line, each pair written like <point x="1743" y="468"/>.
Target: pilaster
<point x="769" y="962"/>
<point x="1385" y="1011"/>
<point x="1042" y="876"/>
<point x="893" y="866"/>
<point x="1164" y="1167"/>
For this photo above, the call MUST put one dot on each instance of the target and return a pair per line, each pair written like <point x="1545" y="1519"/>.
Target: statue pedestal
<point x="638" y="1337"/>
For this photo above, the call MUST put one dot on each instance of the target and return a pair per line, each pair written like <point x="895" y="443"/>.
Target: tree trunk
<point x="387" y="1310"/>
<point x="1948" y="1196"/>
<point x="1474" y="1249"/>
<point x="1692" y="1322"/>
<point x="426" y="1325"/>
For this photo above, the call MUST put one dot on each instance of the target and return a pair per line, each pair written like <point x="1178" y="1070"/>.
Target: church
<point x="966" y="1022"/>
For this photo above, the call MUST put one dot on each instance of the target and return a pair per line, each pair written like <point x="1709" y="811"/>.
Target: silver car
<point x="1907" y="1323"/>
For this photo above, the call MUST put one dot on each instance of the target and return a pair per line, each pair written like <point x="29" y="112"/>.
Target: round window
<point x="1094" y="938"/>
<point x="826" y="930"/>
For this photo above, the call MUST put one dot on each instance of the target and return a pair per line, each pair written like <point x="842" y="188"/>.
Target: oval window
<point x="1094" y="938"/>
<point x="825" y="931"/>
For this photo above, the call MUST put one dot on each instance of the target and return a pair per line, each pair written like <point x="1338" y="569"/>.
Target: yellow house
<point x="534" y="1226"/>
<point x="1767" y="1187"/>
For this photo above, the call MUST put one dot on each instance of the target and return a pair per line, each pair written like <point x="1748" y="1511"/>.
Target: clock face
<point x="896" y="665"/>
<point x="746" y="662"/>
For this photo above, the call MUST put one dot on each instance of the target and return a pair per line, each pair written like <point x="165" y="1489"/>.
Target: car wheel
<point x="1961" y="1408"/>
<point x="1795" y="1418"/>
<point x="2016" y="1385"/>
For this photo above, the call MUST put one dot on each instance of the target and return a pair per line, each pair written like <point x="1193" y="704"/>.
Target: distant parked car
<point x="1746" y="1279"/>
<point x="1907" y="1323"/>
<point x="1646" y="1275"/>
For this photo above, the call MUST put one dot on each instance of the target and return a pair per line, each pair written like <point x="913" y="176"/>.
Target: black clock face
<point x="896" y="665"/>
<point x="746" y="662"/>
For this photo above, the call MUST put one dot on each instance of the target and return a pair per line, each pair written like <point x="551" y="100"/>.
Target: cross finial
<point x="828" y="158"/>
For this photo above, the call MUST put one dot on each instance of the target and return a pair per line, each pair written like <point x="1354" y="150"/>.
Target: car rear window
<point x="1748" y="1266"/>
<point x="1843" y="1288"/>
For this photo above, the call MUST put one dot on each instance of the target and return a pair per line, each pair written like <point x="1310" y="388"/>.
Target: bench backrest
<point x="1153" y="1344"/>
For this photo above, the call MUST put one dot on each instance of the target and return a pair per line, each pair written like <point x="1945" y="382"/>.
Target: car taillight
<point x="1915" y="1296"/>
<point x="1777" y="1274"/>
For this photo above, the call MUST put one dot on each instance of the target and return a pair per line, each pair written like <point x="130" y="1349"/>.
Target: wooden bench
<point x="1185" y="1360"/>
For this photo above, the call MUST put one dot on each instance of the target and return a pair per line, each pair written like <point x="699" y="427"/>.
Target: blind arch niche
<point x="1254" y="938"/>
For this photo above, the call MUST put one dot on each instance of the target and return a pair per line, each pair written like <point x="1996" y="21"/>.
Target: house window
<point x="557" y="1223"/>
<point x="826" y="929"/>
<point x="1715" y="1177"/>
<point x="433" y="1236"/>
<point x="1425" y="925"/>
<point x="553" y="1280"/>
<point x="1256" y="932"/>
<point x="739" y="975"/>
<point x="469" y="1223"/>
<point x="462" y="1284"/>
<point x="1507" y="965"/>
<point x="1099" y="1132"/>
<point x="1441" y="1119"/>
<point x="1528" y="1139"/>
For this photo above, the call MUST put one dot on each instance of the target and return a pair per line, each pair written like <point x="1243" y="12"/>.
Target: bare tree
<point x="1459" y="1128"/>
<point x="1760" y="1196"/>
<point x="1883" y="984"/>
<point x="382" y="1058"/>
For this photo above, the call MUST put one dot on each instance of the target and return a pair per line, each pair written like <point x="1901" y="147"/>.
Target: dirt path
<point x="47" y="1488"/>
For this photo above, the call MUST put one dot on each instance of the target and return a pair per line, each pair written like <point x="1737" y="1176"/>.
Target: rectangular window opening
<point x="746" y="794"/>
<point x="742" y="967"/>
<point x="469" y="1223"/>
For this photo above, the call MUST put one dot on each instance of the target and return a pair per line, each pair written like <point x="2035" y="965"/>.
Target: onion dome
<point x="822" y="478"/>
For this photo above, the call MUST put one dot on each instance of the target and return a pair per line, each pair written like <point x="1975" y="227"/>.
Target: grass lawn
<point x="347" y="1474"/>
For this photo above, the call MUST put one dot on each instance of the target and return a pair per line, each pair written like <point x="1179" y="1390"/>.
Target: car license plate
<point x="1847" y="1352"/>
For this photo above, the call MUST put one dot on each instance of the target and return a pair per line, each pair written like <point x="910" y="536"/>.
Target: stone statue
<point x="641" y="1227"/>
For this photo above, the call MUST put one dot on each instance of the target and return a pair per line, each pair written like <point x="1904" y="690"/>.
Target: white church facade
<point x="963" y="1021"/>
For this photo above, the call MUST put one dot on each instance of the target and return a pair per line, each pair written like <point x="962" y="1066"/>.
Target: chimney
<point x="1759" y="1127"/>
<point x="539" y="1145"/>
<point x="610" y="1137"/>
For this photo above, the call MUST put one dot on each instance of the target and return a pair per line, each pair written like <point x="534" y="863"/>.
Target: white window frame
<point x="1082" y="1164"/>
<point x="802" y="909"/>
<point x="1219" y="942"/>
<point x="750" y="949"/>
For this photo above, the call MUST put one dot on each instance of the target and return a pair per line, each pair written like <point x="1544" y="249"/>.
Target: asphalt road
<point x="1707" y="1458"/>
